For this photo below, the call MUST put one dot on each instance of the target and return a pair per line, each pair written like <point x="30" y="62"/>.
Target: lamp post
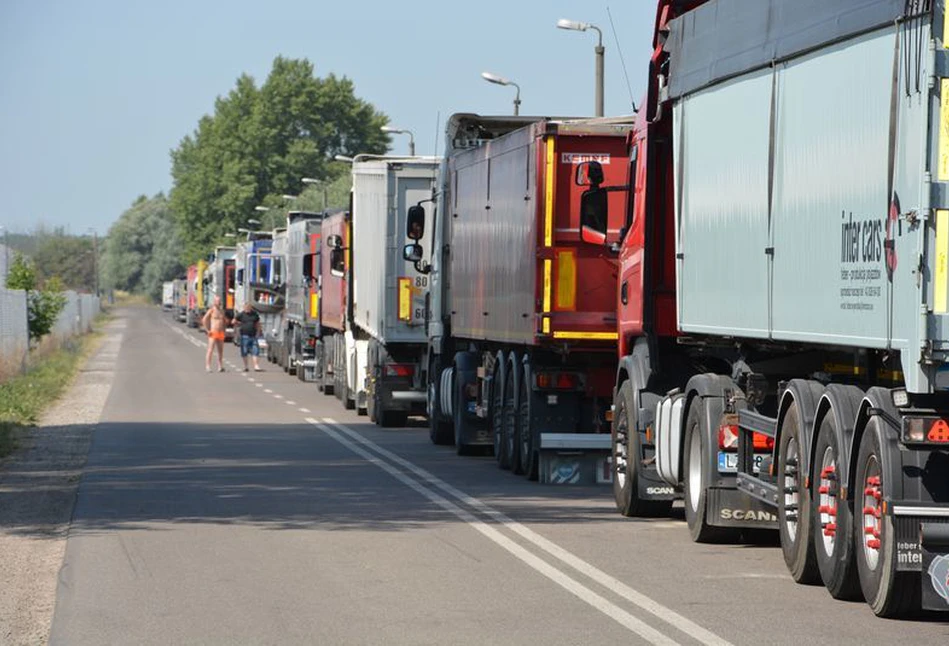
<point x="574" y="25"/>
<point x="313" y="180"/>
<point x="95" y="257"/>
<point x="500" y="80"/>
<point x="402" y="131"/>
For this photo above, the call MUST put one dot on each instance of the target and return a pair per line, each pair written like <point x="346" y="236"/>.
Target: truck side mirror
<point x="589" y="173"/>
<point x="415" y="223"/>
<point x="412" y="252"/>
<point x="337" y="262"/>
<point x="593" y="216"/>
<point x="334" y="242"/>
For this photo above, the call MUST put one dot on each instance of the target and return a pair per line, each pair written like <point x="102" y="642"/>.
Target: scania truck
<point x="783" y="286"/>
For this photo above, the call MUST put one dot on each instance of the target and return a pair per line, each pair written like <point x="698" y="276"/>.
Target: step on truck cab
<point x="785" y="341"/>
<point x="522" y="314"/>
<point x="389" y="292"/>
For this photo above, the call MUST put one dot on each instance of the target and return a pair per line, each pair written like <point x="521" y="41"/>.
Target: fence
<point x="75" y="319"/>
<point x="14" y="333"/>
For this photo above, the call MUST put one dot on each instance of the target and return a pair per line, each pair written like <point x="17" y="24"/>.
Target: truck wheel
<point x="509" y="415"/>
<point x="345" y="395"/>
<point x="528" y="442"/>
<point x="497" y="416"/>
<point x="694" y="464"/>
<point x="794" y="504"/>
<point x="439" y="432"/>
<point x="833" y="521"/>
<point x="626" y="454"/>
<point x="456" y="414"/>
<point x="888" y="592"/>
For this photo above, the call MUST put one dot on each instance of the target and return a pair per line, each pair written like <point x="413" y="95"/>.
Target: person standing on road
<point x="249" y="322"/>
<point x="215" y="323"/>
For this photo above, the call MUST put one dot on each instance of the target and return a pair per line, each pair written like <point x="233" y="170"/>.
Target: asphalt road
<point x="232" y="508"/>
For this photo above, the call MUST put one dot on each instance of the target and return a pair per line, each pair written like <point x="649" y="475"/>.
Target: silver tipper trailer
<point x="389" y="293"/>
<point x="807" y="175"/>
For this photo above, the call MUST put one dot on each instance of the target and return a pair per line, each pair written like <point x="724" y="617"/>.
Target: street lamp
<point x="574" y="25"/>
<point x="289" y="198"/>
<point x="262" y="209"/>
<point x="253" y="221"/>
<point x="402" y="131"/>
<point x="343" y="158"/>
<point x="95" y="256"/>
<point x="500" y="80"/>
<point x="312" y="180"/>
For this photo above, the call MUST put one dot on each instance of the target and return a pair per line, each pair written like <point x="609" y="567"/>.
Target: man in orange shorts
<point x="215" y="322"/>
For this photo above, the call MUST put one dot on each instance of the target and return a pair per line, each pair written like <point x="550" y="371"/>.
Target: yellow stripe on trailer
<point x="405" y="299"/>
<point x="587" y="336"/>
<point x="941" y="284"/>
<point x="942" y="172"/>
<point x="550" y="170"/>
<point x="548" y="264"/>
<point x="314" y="305"/>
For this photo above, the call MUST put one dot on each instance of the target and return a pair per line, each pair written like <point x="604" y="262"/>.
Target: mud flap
<point x="652" y="487"/>
<point x="729" y="507"/>
<point x="935" y="566"/>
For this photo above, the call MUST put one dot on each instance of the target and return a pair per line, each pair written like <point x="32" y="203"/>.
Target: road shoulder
<point x="38" y="485"/>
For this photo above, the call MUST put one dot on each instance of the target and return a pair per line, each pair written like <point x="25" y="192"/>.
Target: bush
<point x="43" y="305"/>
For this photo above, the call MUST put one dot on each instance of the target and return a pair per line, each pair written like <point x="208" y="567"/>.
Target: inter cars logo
<point x="939" y="575"/>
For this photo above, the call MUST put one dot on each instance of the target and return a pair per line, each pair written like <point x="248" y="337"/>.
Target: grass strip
<point x="24" y="398"/>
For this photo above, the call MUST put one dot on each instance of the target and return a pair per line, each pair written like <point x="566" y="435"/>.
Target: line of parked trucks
<point x="737" y="297"/>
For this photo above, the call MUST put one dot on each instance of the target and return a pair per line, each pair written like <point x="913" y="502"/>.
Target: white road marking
<point x="268" y="391"/>
<point x="277" y="396"/>
<point x="616" y="586"/>
<point x="304" y="410"/>
<point x="569" y="584"/>
<point x="259" y="385"/>
<point x="290" y="403"/>
<point x="251" y="379"/>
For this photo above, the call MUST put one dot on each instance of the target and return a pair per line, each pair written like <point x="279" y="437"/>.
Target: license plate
<point x="728" y="462"/>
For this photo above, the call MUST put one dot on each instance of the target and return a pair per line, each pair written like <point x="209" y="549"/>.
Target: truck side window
<point x="631" y="199"/>
<point x="337" y="262"/>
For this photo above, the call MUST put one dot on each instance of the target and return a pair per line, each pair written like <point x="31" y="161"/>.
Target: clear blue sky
<point x="94" y="94"/>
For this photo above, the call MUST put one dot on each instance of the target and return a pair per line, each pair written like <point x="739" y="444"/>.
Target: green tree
<point x="72" y="258"/>
<point x="143" y="247"/>
<point x="44" y="304"/>
<point x="260" y="143"/>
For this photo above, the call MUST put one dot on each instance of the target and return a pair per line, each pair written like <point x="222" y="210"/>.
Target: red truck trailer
<point x="522" y="321"/>
<point x="784" y="293"/>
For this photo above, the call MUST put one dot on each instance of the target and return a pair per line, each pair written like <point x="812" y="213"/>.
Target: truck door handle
<point x="624" y="292"/>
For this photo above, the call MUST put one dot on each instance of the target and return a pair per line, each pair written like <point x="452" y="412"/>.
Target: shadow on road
<point x="289" y="476"/>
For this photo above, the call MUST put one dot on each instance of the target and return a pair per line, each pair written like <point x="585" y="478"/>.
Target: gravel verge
<point x="38" y="485"/>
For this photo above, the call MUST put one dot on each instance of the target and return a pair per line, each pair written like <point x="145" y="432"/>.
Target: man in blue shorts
<point x="248" y="322"/>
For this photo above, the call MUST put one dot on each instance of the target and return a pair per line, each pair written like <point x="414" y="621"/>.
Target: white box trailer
<point x="389" y="294"/>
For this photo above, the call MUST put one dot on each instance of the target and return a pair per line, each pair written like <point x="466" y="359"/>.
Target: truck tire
<point x="346" y="395"/>
<point x="497" y="415"/>
<point x="695" y="460"/>
<point x="833" y="516"/>
<point x="458" y="401"/>
<point x="626" y="464"/>
<point x="794" y="503"/>
<point x="440" y="433"/>
<point x="509" y="416"/>
<point x="529" y="442"/>
<point x="889" y="593"/>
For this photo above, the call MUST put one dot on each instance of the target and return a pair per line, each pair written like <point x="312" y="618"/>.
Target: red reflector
<point x="311" y="342"/>
<point x="399" y="370"/>
<point x="566" y="380"/>
<point x="762" y="442"/>
<point x="939" y="432"/>
<point x="728" y="437"/>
